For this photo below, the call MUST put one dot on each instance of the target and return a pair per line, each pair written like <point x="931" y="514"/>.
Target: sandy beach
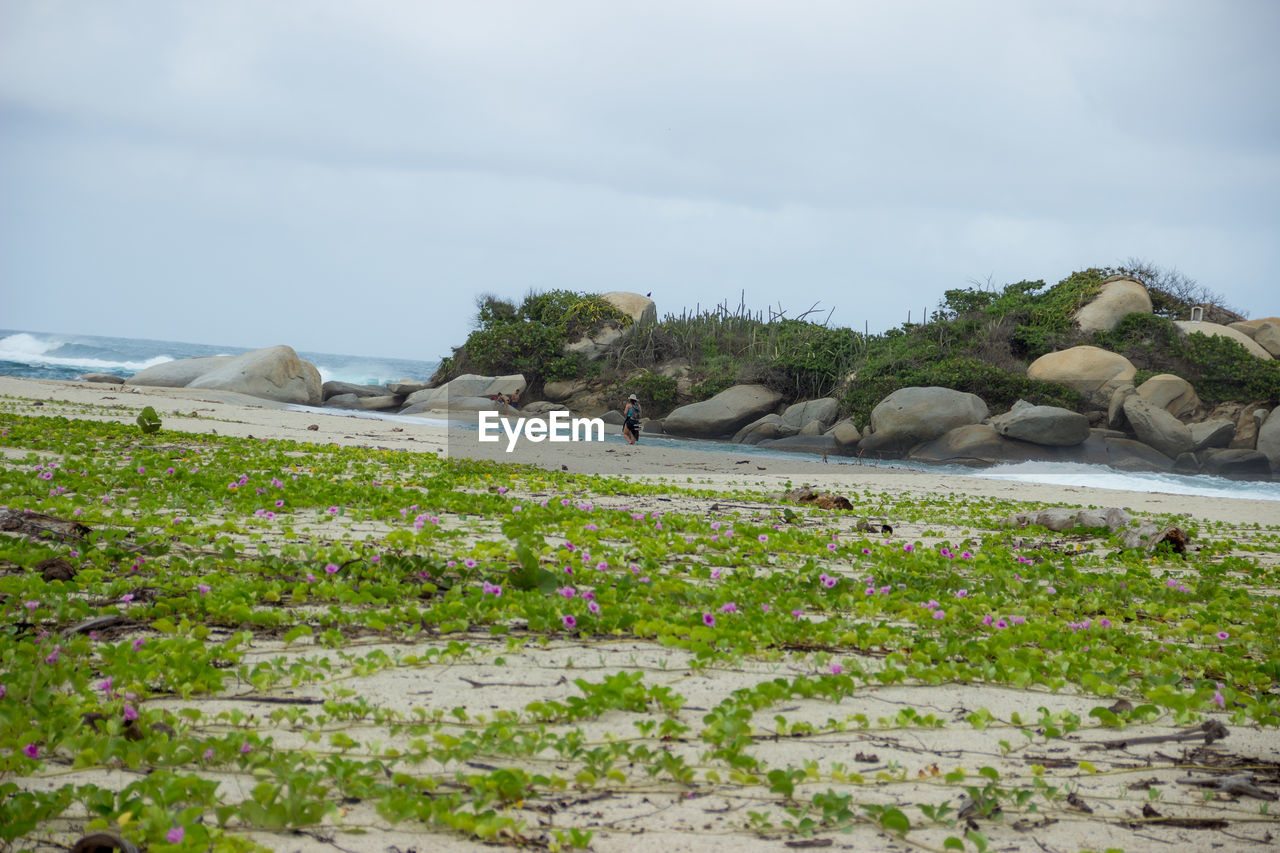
<point x="237" y="415"/>
<point x="891" y="764"/>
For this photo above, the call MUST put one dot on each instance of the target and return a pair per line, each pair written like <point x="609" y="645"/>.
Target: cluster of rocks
<point x="1158" y="425"/>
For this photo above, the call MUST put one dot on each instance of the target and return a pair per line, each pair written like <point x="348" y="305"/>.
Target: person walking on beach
<point x="631" y="420"/>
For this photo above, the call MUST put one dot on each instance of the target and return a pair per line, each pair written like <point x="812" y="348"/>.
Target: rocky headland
<point x="1062" y="390"/>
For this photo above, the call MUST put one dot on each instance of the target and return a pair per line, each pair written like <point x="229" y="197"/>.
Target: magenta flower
<point x="836" y="669"/>
<point x="1218" y="699"/>
<point x="175" y="835"/>
<point x="3" y="690"/>
<point x="142" y="469"/>
<point x="715" y="574"/>
<point x="939" y="614"/>
<point x="1222" y="635"/>
<point x="491" y="589"/>
<point x="764" y="607"/>
<point x="331" y="568"/>
<point x="52" y="657"/>
<point x="589" y="527"/>
<point x="866" y="550"/>
<point x="729" y="607"/>
<point x="126" y="598"/>
<point x="908" y="547"/>
<point x="831" y="546"/>
<point x="569" y="621"/>
<point x="203" y="588"/>
<point x="333" y="510"/>
<point x="946" y="553"/>
<point x="1000" y="623"/>
<point x="279" y="503"/>
<point x="139" y="643"/>
<point x="570" y="546"/>
<point x="987" y="620"/>
<point x="1018" y="620"/>
<point x="828" y="581"/>
<point x="208" y="754"/>
<point x="715" y="525"/>
<point x="31" y="751"/>
<point x="469" y="563"/>
<point x="567" y="591"/>
<point x="502" y="490"/>
<point x="245" y="748"/>
<point x="593" y="606"/>
<point x="965" y="555"/>
<point x="311" y="578"/>
<point x="763" y="537"/>
<point x="106" y="685"/>
<point x="708" y="620"/>
<point x="962" y="593"/>
<point x="130" y="713"/>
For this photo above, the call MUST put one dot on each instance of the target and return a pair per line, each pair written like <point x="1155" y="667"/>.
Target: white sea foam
<point x="24" y="348"/>
<point x="1102" y="477"/>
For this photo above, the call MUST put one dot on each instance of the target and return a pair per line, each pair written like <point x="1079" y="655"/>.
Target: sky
<point x="349" y="176"/>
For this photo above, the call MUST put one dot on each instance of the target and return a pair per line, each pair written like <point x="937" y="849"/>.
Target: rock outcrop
<point x="468" y="385"/>
<point x="723" y="414"/>
<point x="910" y="416"/>
<point x="1119" y="297"/>
<point x="1269" y="438"/>
<point x="271" y="373"/>
<point x="1265" y="331"/>
<point x="1254" y="348"/>
<point x="1048" y="425"/>
<point x="641" y="309"/>
<point x="823" y="411"/>
<point x="1211" y="434"/>
<point x="179" y="373"/>
<point x="1157" y="428"/>
<point x="769" y="427"/>
<point x="1092" y="371"/>
<point x="1171" y="393"/>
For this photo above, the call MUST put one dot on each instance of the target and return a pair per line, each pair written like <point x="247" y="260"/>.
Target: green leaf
<point x="895" y="821"/>
<point x="148" y="420"/>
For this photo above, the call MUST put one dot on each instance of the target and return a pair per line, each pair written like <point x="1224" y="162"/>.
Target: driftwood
<point x="1208" y="731"/>
<point x="1240" y="784"/>
<point x="1143" y="534"/>
<point x="41" y="526"/>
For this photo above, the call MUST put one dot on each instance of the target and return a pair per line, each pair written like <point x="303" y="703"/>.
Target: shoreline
<point x="238" y="415"/>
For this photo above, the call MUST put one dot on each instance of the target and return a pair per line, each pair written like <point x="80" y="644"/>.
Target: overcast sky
<point x="347" y="177"/>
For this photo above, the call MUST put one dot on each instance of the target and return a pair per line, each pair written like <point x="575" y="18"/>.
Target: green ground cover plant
<point x="252" y="595"/>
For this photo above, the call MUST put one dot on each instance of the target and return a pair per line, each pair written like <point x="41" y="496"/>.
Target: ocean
<point x="46" y="355"/>
<point x="49" y="355"/>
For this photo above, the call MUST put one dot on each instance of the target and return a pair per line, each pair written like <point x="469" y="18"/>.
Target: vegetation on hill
<point x="980" y="340"/>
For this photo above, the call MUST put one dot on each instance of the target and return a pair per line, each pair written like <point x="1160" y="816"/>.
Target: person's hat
<point x="632" y="397"/>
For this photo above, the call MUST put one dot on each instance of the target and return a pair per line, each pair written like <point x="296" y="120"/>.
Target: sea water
<point x="45" y="355"/>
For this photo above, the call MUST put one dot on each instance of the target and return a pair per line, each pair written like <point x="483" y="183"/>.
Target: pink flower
<point x="106" y="685"/>
<point x="333" y="510"/>
<point x="491" y="589"/>
<point x="908" y="547"/>
<point x="729" y="607"/>
<point x="142" y="469"/>
<point x="797" y="613"/>
<point x="836" y="669"/>
<point x="139" y="643"/>
<point x="130" y="713"/>
<point x="570" y="546"/>
<point x="203" y="588"/>
<point x="1000" y="623"/>
<point x="567" y="591"/>
<point x="31" y="751"/>
<point x="715" y="574"/>
<point x="708" y="620"/>
<point x="126" y="598"/>
<point x="594" y="607"/>
<point x="962" y="593"/>
<point x="763" y="537"/>
<point x="1222" y="635"/>
<point x="939" y="614"/>
<point x="831" y="546"/>
<point x="331" y="569"/>
<point x="3" y="691"/>
<point x="965" y="555"/>
<point x="866" y="550"/>
<point x="1218" y="699"/>
<point x="175" y="835"/>
<point x="208" y="754"/>
<point x="987" y="620"/>
<point x="569" y="621"/>
<point x="52" y="657"/>
<point x="245" y="748"/>
<point x="311" y="578"/>
<point x="469" y="563"/>
<point x="279" y="503"/>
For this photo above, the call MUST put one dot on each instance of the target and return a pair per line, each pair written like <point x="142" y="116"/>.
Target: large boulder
<point x="1157" y="428"/>
<point x="1119" y="297"/>
<point x="1171" y="393"/>
<point x="1048" y="425"/>
<point x="1115" y="409"/>
<point x="724" y="414"/>
<point x="467" y="385"/>
<point x="179" y="373"/>
<point x="459" y="408"/>
<point x="641" y="309"/>
<point x="823" y="411"/>
<point x="1213" y="330"/>
<point x="595" y="345"/>
<point x="1236" y="464"/>
<point x="562" y="389"/>
<point x="1092" y="371"/>
<point x="334" y="388"/>
<point x="846" y="434"/>
<point x="769" y="427"/>
<point x="910" y="416"/>
<point x="1212" y="434"/>
<point x="1265" y="331"/>
<point x="272" y="373"/>
<point x="820" y="445"/>
<point x="1269" y="438"/>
